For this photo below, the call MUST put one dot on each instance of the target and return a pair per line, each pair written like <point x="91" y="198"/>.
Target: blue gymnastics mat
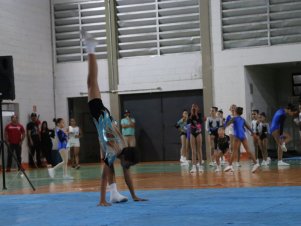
<point x="229" y="206"/>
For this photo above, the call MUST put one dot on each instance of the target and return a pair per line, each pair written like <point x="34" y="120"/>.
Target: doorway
<point x="268" y="88"/>
<point x="89" y="146"/>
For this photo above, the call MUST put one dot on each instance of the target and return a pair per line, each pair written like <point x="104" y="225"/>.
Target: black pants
<point x="14" y="148"/>
<point x="35" y="150"/>
<point x="46" y="151"/>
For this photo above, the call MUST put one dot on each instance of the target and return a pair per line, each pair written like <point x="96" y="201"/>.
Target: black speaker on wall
<point x="7" y="84"/>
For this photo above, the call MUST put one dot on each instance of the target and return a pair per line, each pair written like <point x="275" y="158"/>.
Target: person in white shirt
<point x="74" y="133"/>
<point x="263" y="131"/>
<point x="212" y="124"/>
<point x="254" y="127"/>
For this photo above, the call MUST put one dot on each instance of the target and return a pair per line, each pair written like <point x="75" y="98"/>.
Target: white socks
<point x="115" y="196"/>
<point x="90" y="47"/>
<point x="89" y="42"/>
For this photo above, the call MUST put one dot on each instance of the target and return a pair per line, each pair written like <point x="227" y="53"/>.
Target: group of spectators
<point x="230" y="133"/>
<point x="42" y="142"/>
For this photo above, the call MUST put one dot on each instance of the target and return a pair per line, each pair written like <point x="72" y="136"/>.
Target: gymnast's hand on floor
<point x="137" y="199"/>
<point x="104" y="204"/>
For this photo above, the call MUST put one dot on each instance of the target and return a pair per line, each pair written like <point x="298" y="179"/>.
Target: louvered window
<point x="248" y="23"/>
<point x="69" y="19"/>
<point x="157" y="27"/>
<point x="285" y="17"/>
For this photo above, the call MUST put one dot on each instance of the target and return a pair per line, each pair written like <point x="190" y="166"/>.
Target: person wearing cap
<point x="128" y="129"/>
<point x="33" y="136"/>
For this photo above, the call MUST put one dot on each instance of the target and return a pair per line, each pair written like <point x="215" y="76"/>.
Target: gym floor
<point x="171" y="190"/>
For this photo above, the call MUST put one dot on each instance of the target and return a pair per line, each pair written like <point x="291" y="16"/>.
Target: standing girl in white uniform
<point x="74" y="133"/>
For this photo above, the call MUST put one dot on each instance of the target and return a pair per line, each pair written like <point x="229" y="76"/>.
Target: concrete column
<point x="206" y="60"/>
<point x="112" y="51"/>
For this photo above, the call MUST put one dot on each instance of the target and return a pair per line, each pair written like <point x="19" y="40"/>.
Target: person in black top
<point x="110" y="139"/>
<point x="34" y="141"/>
<point x="46" y="143"/>
<point x="195" y="120"/>
<point x="263" y="131"/>
<point x="222" y="142"/>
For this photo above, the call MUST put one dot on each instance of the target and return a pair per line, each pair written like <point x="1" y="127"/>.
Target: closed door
<point x="156" y="115"/>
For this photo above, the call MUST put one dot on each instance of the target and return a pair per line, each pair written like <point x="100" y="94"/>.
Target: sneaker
<point x="211" y="164"/>
<point x="185" y="168"/>
<point x="218" y="169"/>
<point x="199" y="168"/>
<point x="237" y="164"/>
<point x="281" y="163"/>
<point x="183" y="159"/>
<point x="268" y="160"/>
<point x="193" y="169"/>
<point x="283" y="147"/>
<point x="116" y="197"/>
<point x="77" y="167"/>
<point x="255" y="167"/>
<point x="264" y="163"/>
<point x="186" y="163"/>
<point x="257" y="160"/>
<point x="51" y="172"/>
<point x="67" y="177"/>
<point x="229" y="168"/>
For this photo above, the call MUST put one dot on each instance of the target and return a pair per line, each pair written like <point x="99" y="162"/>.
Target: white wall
<point x="71" y="81"/>
<point x="26" y="35"/>
<point x="265" y="95"/>
<point x="169" y="72"/>
<point x="228" y="65"/>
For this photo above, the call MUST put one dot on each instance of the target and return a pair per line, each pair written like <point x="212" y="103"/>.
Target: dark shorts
<point x="263" y="136"/>
<point x="215" y="135"/>
<point x="183" y="134"/>
<point x="223" y="150"/>
<point x="97" y="108"/>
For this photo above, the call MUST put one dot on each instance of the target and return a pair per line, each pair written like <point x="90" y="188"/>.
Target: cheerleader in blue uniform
<point x="276" y="129"/>
<point x="239" y="125"/>
<point x="230" y="133"/>
<point x="62" y="137"/>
